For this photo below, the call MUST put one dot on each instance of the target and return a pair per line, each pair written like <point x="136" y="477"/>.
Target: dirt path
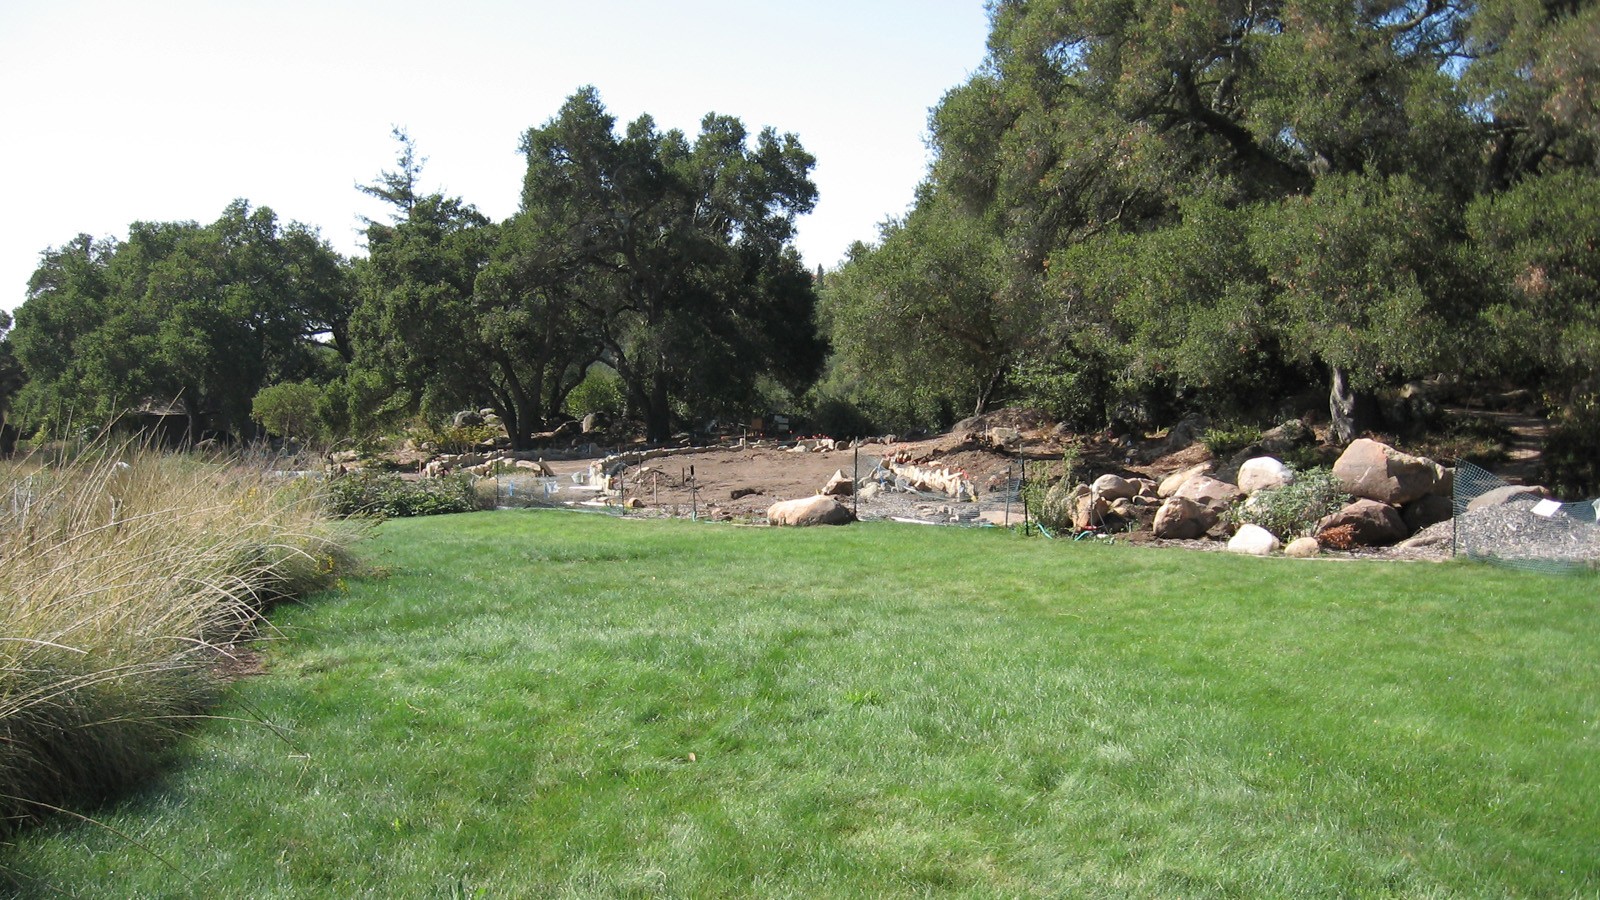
<point x="1524" y="462"/>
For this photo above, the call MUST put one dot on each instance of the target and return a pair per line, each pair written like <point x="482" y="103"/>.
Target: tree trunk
<point x="658" y="414"/>
<point x="986" y="394"/>
<point x="1348" y="410"/>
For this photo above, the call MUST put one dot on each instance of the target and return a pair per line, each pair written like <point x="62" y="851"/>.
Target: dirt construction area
<point x="984" y="459"/>
<point x="741" y="482"/>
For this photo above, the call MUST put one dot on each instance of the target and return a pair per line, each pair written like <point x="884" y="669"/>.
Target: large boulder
<point x="1089" y="511"/>
<point x="1429" y="510"/>
<point x="1376" y="471"/>
<point x="1217" y="496"/>
<point x="818" y="510"/>
<point x="1371" y="523"/>
<point x="1176" y="480"/>
<point x="1262" y="473"/>
<point x="1180" y="518"/>
<point x="1004" y="439"/>
<point x="1115" y="487"/>
<point x="1291" y="434"/>
<point x="1254" y="540"/>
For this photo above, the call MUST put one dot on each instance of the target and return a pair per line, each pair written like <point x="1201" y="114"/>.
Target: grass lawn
<point x="542" y="704"/>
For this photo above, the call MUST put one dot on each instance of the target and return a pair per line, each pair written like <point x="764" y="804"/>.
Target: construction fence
<point x="1518" y="526"/>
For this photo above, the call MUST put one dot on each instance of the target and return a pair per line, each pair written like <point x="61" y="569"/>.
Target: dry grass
<point x="124" y="573"/>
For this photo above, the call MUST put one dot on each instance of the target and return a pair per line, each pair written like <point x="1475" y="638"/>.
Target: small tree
<point x="290" y="411"/>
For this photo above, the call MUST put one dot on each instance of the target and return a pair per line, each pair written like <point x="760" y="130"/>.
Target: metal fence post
<point x="1022" y="495"/>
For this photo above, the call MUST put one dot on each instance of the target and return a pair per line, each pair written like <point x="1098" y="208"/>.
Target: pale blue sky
<point x="124" y="111"/>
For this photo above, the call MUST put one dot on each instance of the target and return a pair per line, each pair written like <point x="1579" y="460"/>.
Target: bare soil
<point x="741" y="482"/>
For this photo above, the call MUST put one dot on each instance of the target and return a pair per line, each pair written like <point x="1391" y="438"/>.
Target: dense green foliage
<point x="1211" y="207"/>
<point x="1134" y="211"/>
<point x="681" y="252"/>
<point x="669" y="261"/>
<point x="539" y="704"/>
<point x="1293" y="510"/>
<point x="204" y="316"/>
<point x="291" y="411"/>
<point x="386" y="495"/>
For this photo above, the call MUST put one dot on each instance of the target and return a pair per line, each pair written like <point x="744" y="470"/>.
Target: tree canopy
<point x="1133" y="210"/>
<point x="690" y="283"/>
<point x="1198" y="196"/>
<point x="202" y="315"/>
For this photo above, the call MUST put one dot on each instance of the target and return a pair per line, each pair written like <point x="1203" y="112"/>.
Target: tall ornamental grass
<point x="126" y="578"/>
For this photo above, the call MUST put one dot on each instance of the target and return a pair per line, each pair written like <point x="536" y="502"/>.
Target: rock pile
<point x="1395" y="495"/>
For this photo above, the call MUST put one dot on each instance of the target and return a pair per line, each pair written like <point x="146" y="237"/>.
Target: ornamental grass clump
<point x="126" y="579"/>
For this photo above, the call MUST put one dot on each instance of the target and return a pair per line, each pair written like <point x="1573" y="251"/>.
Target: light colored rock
<point x="535" y="466"/>
<point x="1263" y="473"/>
<point x="1114" y="487"/>
<point x="806" y="511"/>
<point x="1170" y="484"/>
<point x="1214" y="495"/>
<point x="1181" y="518"/>
<point x="1376" y="471"/>
<point x="869" y="490"/>
<point x="1303" y="548"/>
<point x="1254" y="540"/>
<point x="840" y="485"/>
<point x="1375" y="524"/>
<point x="1003" y="438"/>
<point x="1446" y="486"/>
<point x="1429" y="539"/>
<point x="1500" y="496"/>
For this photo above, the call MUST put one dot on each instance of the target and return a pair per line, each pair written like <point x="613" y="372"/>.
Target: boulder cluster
<point x="1395" y="495"/>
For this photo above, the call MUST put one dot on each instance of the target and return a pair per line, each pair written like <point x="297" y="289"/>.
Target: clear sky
<point x="128" y="111"/>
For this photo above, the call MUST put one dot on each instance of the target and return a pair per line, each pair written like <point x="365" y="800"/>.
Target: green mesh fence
<point x="1516" y="526"/>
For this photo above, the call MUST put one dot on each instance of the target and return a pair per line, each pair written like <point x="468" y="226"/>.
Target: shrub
<point x="124" y="578"/>
<point x="387" y="495"/>
<point x="290" y="411"/>
<point x="1045" y="493"/>
<point x="1572" y="451"/>
<point x="600" y="391"/>
<point x="1225" y="442"/>
<point x="1293" y="510"/>
<point x="454" y="438"/>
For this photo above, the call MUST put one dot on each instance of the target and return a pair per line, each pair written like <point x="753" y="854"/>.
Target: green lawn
<point x="552" y="704"/>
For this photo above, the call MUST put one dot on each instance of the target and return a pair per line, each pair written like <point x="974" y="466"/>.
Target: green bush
<point x="453" y="439"/>
<point x="1572" y="454"/>
<point x="1293" y="510"/>
<point x="386" y="495"/>
<point x="1224" y="442"/>
<point x="290" y="411"/>
<point x="1046" y="491"/>
<point x="600" y="391"/>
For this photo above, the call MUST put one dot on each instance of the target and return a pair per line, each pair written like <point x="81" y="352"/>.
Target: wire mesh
<point x="1517" y="526"/>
